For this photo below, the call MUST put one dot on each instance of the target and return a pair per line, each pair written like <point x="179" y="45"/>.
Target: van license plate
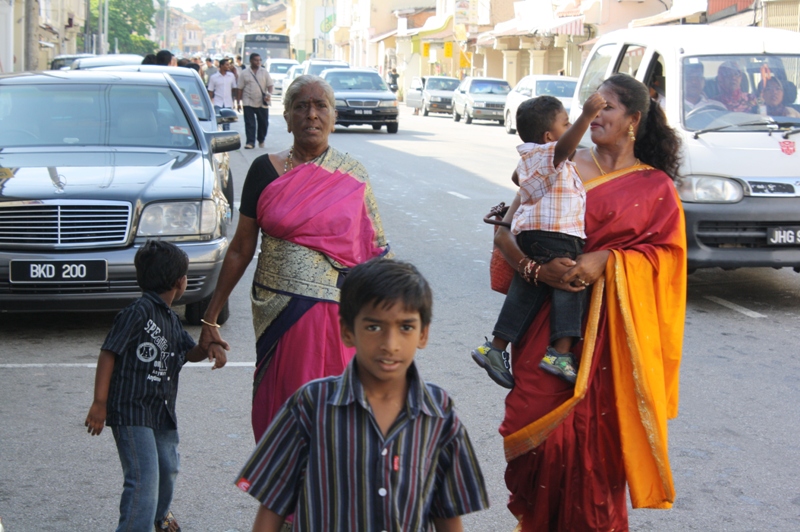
<point x="58" y="271"/>
<point x="783" y="236"/>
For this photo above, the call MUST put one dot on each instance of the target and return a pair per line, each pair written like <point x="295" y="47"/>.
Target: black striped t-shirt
<point x="151" y="346"/>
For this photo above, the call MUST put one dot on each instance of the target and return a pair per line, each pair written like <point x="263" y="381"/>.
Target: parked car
<point x="433" y="95"/>
<point x="93" y="164"/>
<point x="739" y="177"/>
<point x="62" y="62"/>
<point x="480" y="99"/>
<point x="316" y="67"/>
<point x="529" y="87"/>
<point x="191" y="84"/>
<point x="278" y="70"/>
<point x="97" y="61"/>
<point x="362" y="98"/>
<point x="292" y="74"/>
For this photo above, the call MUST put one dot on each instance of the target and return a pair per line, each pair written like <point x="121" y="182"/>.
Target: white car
<point x="529" y="87"/>
<point x="480" y="99"/>
<point x="278" y="70"/>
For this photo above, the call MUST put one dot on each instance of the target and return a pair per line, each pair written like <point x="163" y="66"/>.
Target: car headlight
<point x="389" y="103"/>
<point x="478" y="104"/>
<point x="436" y="98"/>
<point x="709" y="189"/>
<point x="340" y="103"/>
<point x="179" y="218"/>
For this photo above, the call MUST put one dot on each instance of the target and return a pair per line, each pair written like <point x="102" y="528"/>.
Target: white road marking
<point x="456" y="194"/>
<point x="60" y="365"/>
<point x="734" y="306"/>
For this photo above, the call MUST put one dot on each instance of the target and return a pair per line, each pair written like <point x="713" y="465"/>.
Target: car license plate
<point x="58" y="271"/>
<point x="363" y="111"/>
<point x="783" y="236"/>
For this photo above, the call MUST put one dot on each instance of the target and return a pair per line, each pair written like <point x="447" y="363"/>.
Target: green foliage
<point x="129" y="22"/>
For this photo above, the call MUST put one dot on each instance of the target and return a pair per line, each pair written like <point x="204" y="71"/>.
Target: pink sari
<point x="317" y="221"/>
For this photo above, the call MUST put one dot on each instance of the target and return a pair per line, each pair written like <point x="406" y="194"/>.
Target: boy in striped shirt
<point x="375" y="448"/>
<point x="548" y="224"/>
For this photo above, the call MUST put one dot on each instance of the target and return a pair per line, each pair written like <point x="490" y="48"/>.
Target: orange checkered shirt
<point x="552" y="199"/>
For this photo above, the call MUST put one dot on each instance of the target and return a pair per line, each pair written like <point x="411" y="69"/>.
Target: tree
<point x="129" y="22"/>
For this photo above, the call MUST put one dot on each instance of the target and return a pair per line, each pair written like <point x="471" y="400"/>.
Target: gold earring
<point x="631" y="134"/>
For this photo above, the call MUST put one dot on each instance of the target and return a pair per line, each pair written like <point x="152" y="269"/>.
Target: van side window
<point x="631" y="60"/>
<point x="656" y="79"/>
<point x="596" y="71"/>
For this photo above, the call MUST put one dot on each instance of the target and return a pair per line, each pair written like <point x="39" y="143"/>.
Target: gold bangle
<point x="217" y="325"/>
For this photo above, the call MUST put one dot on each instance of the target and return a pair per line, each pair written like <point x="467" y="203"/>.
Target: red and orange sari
<point x="571" y="450"/>
<point x="317" y="221"/>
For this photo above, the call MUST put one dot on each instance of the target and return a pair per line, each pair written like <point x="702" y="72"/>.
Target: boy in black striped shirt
<point x="136" y="386"/>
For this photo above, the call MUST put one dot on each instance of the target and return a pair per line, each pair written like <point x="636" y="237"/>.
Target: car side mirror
<point x="222" y="141"/>
<point x="226" y="116"/>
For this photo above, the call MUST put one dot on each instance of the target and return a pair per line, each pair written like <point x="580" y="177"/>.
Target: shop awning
<point x="745" y="18"/>
<point x="568" y="26"/>
<point x="691" y="9"/>
<point x="383" y="36"/>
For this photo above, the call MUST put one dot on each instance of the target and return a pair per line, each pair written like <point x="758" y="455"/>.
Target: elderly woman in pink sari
<point x="317" y="217"/>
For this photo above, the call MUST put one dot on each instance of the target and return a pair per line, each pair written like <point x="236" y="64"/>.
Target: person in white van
<point x="694" y="82"/>
<point x="773" y="95"/>
<point x="729" y="89"/>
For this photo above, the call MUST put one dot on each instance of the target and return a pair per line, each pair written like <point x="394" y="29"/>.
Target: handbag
<point x="500" y="271"/>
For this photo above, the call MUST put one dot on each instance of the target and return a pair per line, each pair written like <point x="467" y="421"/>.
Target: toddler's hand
<point x="593" y="105"/>
<point x="217" y="354"/>
<point x="96" y="419"/>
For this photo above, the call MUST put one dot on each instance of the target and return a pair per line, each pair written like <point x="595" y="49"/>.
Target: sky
<point x="187" y="5"/>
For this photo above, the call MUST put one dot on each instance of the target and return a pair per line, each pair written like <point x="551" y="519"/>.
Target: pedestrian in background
<point x="210" y="70"/>
<point x="136" y="386"/>
<point x="165" y="58"/>
<point x="409" y="460"/>
<point x="255" y="93"/>
<point x="149" y="59"/>
<point x="221" y="89"/>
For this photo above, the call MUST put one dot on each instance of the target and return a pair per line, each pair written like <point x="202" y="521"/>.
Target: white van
<point x="731" y="94"/>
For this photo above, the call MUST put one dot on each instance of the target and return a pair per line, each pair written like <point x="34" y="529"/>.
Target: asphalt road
<point x="733" y="448"/>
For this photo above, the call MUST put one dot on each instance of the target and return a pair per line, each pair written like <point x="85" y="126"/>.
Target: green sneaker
<point x="561" y="365"/>
<point x="495" y="362"/>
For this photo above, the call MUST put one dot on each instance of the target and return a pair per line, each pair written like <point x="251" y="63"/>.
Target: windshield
<point x="557" y="88"/>
<point x="93" y="115"/>
<point x="319" y="68"/>
<point x="280" y="68"/>
<point x="736" y="91"/>
<point x="442" y="84"/>
<point x="191" y="88"/>
<point x="356" y="81"/>
<point x="480" y="86"/>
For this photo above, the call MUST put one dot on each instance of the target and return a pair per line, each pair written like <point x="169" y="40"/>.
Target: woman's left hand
<point x="588" y="268"/>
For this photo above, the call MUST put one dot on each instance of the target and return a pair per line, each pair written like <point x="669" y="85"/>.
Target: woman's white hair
<point x="303" y="81"/>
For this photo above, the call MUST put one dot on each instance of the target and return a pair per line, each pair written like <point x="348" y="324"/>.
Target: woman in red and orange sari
<point x="317" y="217"/>
<point x="572" y="450"/>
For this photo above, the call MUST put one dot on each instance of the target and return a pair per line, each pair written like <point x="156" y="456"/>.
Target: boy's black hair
<point x="385" y="282"/>
<point x="536" y="116"/>
<point x="159" y="265"/>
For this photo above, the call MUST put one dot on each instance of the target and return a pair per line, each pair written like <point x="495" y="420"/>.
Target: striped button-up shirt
<point x="151" y="346"/>
<point x="325" y="459"/>
<point x="552" y="199"/>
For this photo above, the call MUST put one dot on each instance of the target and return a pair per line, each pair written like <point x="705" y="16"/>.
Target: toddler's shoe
<point x="495" y="362"/>
<point x="559" y="364"/>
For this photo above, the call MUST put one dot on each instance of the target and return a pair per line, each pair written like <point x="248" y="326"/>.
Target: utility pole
<point x="31" y="36"/>
<point x="107" y="45"/>
<point x="87" y="46"/>
<point x="100" y="25"/>
<point x="166" y="27"/>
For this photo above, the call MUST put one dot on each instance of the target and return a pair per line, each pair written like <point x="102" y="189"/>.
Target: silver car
<point x="480" y="99"/>
<point x="93" y="164"/>
<point x="433" y="95"/>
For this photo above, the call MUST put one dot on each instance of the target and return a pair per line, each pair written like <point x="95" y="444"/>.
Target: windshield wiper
<point x="795" y="129"/>
<point x="762" y="122"/>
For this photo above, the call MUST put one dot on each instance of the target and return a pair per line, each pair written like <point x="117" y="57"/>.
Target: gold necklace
<point x="602" y="172"/>
<point x="289" y="161"/>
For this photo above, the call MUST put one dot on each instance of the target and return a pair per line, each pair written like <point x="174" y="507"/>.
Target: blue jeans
<point x="150" y="464"/>
<point x="524" y="300"/>
<point x="251" y="132"/>
<point x="226" y="126"/>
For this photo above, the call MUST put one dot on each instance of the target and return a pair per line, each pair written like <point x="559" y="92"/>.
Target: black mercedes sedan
<point x="93" y="164"/>
<point x="362" y="98"/>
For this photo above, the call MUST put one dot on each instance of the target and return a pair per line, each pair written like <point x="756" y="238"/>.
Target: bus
<point x="267" y="45"/>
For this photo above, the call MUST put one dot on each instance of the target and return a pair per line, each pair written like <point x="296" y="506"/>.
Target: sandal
<point x="168" y="524"/>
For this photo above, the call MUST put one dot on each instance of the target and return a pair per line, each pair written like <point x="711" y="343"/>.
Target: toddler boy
<point x="136" y="385"/>
<point x="548" y="224"/>
<point x="375" y="448"/>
